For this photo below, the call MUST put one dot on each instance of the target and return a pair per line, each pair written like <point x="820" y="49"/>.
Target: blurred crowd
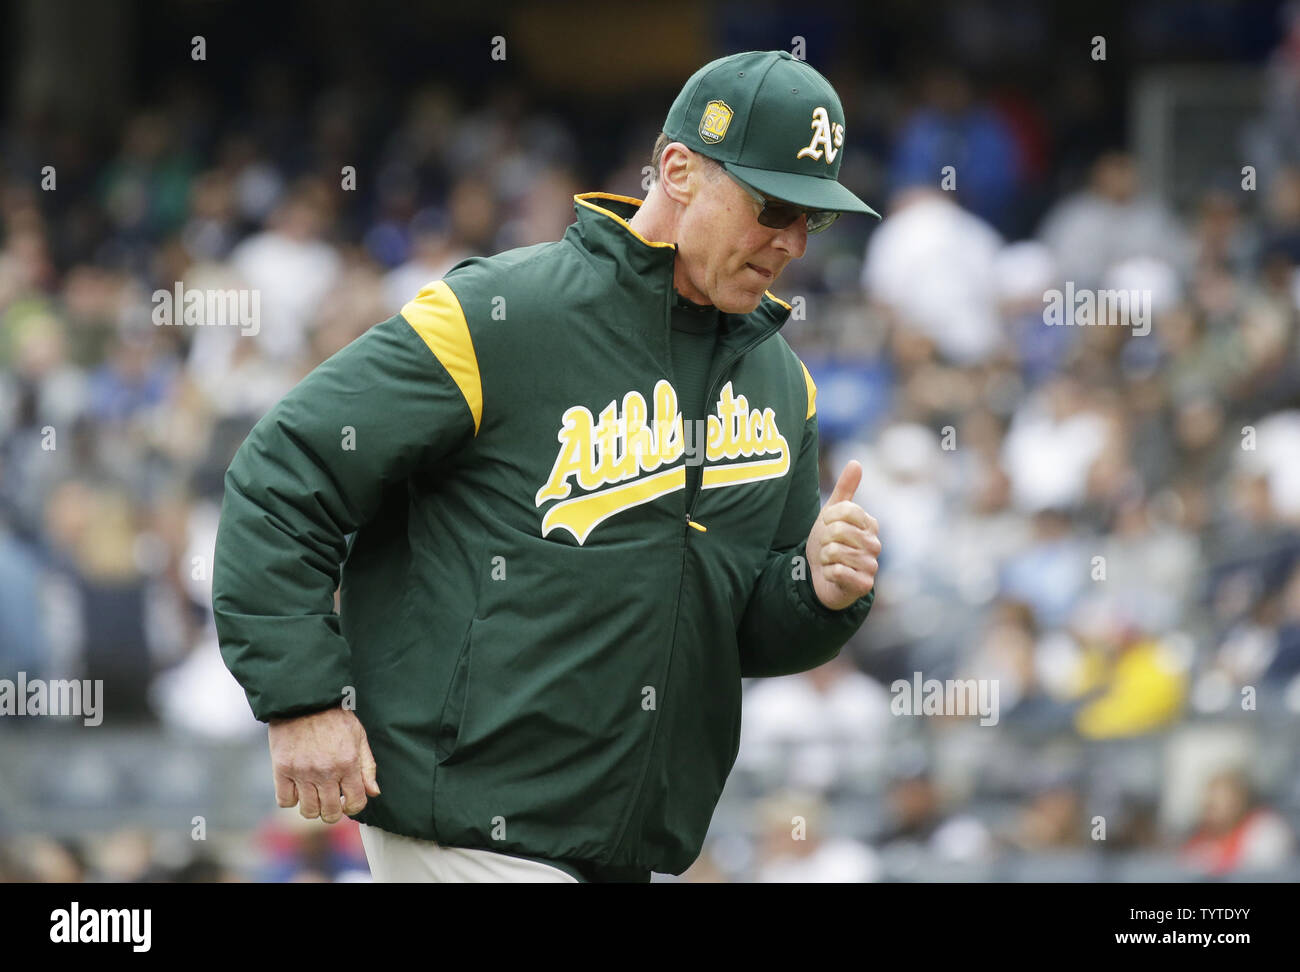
<point x="1102" y="520"/>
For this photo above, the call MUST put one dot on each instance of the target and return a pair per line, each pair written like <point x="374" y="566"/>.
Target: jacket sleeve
<point x="315" y="468"/>
<point x="785" y="627"/>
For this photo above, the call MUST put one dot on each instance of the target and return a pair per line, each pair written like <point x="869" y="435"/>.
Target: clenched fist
<point x="843" y="545"/>
<point x="322" y="762"/>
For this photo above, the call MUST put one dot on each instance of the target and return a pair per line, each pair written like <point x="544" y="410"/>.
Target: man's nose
<point x="794" y="238"/>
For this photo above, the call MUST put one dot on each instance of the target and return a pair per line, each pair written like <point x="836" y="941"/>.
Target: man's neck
<point x="656" y="220"/>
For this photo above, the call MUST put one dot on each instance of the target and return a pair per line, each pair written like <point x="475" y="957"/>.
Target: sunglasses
<point x="778" y="215"/>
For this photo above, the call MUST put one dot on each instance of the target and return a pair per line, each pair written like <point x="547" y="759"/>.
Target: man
<point x="581" y="482"/>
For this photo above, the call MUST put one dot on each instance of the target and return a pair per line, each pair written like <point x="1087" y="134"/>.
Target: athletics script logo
<point x="624" y="447"/>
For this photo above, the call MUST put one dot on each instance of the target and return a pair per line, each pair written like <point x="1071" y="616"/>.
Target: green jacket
<point x="542" y="633"/>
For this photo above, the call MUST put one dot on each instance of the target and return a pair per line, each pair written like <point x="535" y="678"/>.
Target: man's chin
<point x="743" y="303"/>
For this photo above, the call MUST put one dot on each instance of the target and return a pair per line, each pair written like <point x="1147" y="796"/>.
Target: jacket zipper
<point x="634" y="803"/>
<point x="681" y="575"/>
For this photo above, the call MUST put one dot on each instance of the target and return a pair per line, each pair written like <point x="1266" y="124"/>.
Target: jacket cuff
<point x="811" y="607"/>
<point x="294" y="711"/>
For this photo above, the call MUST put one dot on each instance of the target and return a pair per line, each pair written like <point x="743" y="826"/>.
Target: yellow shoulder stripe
<point x="436" y="315"/>
<point x="812" y="392"/>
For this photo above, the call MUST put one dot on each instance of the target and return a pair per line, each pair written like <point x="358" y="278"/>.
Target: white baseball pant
<point x="395" y="858"/>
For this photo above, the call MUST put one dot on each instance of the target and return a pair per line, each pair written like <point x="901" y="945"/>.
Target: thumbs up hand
<point x="843" y="545"/>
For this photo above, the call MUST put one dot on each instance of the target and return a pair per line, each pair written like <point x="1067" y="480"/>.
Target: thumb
<point x="368" y="768"/>
<point x="847" y="485"/>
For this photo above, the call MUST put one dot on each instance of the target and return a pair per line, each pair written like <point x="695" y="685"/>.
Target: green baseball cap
<point x="772" y="121"/>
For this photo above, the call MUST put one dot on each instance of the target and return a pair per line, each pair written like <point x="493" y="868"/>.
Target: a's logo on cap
<point x="713" y="126"/>
<point x="828" y="136"/>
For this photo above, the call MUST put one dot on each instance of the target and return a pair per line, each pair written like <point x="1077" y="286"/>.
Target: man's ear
<point x="675" y="167"/>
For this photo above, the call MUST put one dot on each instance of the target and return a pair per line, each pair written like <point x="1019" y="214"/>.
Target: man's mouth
<point x="766" y="274"/>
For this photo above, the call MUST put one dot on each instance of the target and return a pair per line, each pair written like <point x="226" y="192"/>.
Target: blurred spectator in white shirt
<point x="292" y="268"/>
<point x="815" y="729"/>
<point x="931" y="264"/>
<point x="1276" y="456"/>
<point x="1053" y="441"/>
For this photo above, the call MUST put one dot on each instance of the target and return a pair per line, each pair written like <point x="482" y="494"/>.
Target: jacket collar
<point x="603" y="228"/>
